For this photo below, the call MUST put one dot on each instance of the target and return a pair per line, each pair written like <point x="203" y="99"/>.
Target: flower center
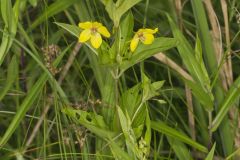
<point x="141" y="36"/>
<point x="93" y="30"/>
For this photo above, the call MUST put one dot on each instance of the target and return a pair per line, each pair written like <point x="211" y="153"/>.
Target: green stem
<point x="116" y="78"/>
<point x="209" y="127"/>
<point x="145" y="14"/>
<point x="136" y="112"/>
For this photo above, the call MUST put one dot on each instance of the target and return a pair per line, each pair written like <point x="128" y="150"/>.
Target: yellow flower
<point x="144" y="35"/>
<point x="93" y="31"/>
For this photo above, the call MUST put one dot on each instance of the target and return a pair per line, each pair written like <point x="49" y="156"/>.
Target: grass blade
<point x="11" y="77"/>
<point x="180" y="149"/>
<point x="204" y="34"/>
<point x="232" y="96"/>
<point x="163" y="128"/>
<point x="53" y="9"/>
<point x="10" y="18"/>
<point x="27" y="103"/>
<point x="194" y="67"/>
<point x="211" y="153"/>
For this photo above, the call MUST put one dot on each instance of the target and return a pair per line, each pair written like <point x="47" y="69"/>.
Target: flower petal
<point x="96" y="40"/>
<point x="85" y="25"/>
<point x="148" y="38"/>
<point x="150" y="31"/>
<point x="147" y="30"/>
<point x="85" y="35"/>
<point x="96" y="24"/>
<point x="134" y="43"/>
<point x="103" y="30"/>
<point x="140" y="31"/>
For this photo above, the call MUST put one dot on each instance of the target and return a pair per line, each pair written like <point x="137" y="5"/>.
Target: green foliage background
<point x="177" y="98"/>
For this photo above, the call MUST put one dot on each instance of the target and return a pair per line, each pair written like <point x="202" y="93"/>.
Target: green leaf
<point x="210" y="155"/>
<point x="10" y="18"/>
<point x="204" y="34"/>
<point x="104" y="55"/>
<point x="116" y="10"/>
<point x="124" y="6"/>
<point x="168" y="131"/>
<point x="74" y="30"/>
<point x="128" y="132"/>
<point x="187" y="53"/>
<point x="199" y="58"/>
<point x="118" y="152"/>
<point x="180" y="149"/>
<point x="33" y="2"/>
<point x="145" y="51"/>
<point x="125" y="33"/>
<point x="11" y="76"/>
<point x="139" y="116"/>
<point x="131" y="98"/>
<point x="150" y="89"/>
<point x="122" y="38"/>
<point x="27" y="38"/>
<point x="193" y="66"/>
<point x="95" y="123"/>
<point x="231" y="97"/>
<point x="202" y="96"/>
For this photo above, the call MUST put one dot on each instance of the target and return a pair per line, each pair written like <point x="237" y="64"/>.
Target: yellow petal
<point x="148" y="39"/>
<point x="96" y="24"/>
<point x="134" y="43"/>
<point x="103" y="30"/>
<point x="85" y="25"/>
<point x="96" y="40"/>
<point x="140" y="31"/>
<point x="147" y="30"/>
<point x="85" y="35"/>
<point x="150" y="31"/>
<point x="155" y="30"/>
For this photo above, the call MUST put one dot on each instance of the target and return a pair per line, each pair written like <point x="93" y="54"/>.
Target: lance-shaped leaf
<point x="232" y="96"/>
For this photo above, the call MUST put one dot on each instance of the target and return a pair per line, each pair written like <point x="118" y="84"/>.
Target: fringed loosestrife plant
<point x="144" y="35"/>
<point x="117" y="58"/>
<point x="93" y="31"/>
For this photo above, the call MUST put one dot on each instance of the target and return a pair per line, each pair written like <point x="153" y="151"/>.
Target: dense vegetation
<point x="119" y="79"/>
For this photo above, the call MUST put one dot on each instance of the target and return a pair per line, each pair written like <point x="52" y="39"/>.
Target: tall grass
<point x="176" y="98"/>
